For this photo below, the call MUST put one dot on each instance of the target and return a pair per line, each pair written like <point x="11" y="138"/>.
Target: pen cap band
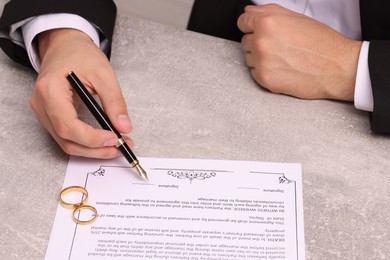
<point x="120" y="142"/>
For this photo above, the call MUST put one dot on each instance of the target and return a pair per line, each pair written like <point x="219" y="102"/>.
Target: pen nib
<point x="141" y="172"/>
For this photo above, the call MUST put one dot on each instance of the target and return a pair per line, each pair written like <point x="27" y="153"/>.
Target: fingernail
<point x="111" y="142"/>
<point x="124" y="121"/>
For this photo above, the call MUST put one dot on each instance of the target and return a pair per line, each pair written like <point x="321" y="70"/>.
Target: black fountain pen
<point x="105" y="122"/>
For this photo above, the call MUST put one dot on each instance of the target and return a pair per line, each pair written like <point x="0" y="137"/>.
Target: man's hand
<point x="293" y="54"/>
<point x="54" y="101"/>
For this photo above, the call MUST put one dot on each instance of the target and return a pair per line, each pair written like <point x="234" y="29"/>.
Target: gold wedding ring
<point x="84" y="222"/>
<point x="73" y="189"/>
<point x="79" y="206"/>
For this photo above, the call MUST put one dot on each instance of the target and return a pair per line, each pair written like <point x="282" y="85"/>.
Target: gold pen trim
<point x="120" y="142"/>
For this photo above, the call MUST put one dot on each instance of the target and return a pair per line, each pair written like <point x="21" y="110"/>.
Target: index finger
<point x="106" y="86"/>
<point x="246" y="22"/>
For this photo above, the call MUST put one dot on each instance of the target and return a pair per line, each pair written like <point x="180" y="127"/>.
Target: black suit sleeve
<point x="101" y="13"/>
<point x="217" y="18"/>
<point x="375" y="24"/>
<point x="379" y="67"/>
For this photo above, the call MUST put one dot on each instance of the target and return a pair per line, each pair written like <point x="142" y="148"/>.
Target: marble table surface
<point x="191" y="96"/>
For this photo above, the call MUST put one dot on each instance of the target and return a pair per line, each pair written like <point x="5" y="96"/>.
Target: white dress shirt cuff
<point x="53" y="21"/>
<point x="364" y="99"/>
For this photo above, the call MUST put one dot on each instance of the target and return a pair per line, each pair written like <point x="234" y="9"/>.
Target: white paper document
<point x="190" y="209"/>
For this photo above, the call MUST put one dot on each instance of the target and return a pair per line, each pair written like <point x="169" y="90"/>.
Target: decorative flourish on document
<point x="191" y="174"/>
<point x="284" y="179"/>
<point x="99" y="172"/>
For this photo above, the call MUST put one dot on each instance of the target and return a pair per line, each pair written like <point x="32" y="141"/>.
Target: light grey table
<point x="191" y="96"/>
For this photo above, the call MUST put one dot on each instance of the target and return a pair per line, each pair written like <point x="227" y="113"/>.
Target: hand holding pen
<point x="54" y="101"/>
<point x="94" y="107"/>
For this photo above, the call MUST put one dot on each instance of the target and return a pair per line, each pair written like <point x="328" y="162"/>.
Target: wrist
<point x="345" y="74"/>
<point x="55" y="38"/>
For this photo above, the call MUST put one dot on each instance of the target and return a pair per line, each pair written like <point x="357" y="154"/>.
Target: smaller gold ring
<point x="84" y="222"/>
<point x="73" y="189"/>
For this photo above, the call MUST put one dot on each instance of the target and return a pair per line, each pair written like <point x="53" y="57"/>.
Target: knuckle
<point x="261" y="44"/>
<point x="267" y="22"/>
<point x="68" y="147"/>
<point x="62" y="130"/>
<point x="271" y="7"/>
<point x="117" y="100"/>
<point x="40" y="86"/>
<point x="90" y="138"/>
<point x="264" y="79"/>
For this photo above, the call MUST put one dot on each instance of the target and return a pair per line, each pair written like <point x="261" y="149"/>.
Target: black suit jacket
<point x="219" y="19"/>
<point x="101" y="13"/>
<point x="375" y="23"/>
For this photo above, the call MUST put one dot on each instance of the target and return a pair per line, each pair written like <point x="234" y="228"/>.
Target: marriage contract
<point x="190" y="209"/>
